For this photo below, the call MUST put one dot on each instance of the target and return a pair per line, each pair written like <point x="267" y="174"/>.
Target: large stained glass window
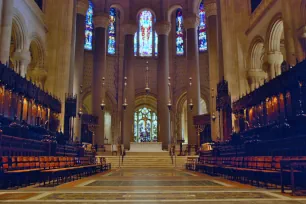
<point x="89" y="27"/>
<point x="202" y="29"/>
<point x="145" y="125"/>
<point x="112" y="32"/>
<point x="179" y="33"/>
<point x="145" y="37"/>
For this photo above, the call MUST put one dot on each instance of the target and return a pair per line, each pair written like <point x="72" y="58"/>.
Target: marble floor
<point x="148" y="186"/>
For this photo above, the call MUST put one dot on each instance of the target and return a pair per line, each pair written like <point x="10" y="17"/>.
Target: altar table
<point x="146" y="147"/>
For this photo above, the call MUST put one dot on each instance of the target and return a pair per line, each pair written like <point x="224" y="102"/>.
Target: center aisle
<point x="145" y="185"/>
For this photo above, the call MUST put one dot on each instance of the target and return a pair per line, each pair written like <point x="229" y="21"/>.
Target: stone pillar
<point x="212" y="42"/>
<point x="302" y="40"/>
<point x="99" y="70"/>
<point x="6" y="30"/>
<point x="288" y="33"/>
<point x="129" y="93"/>
<point x="163" y="29"/>
<point x="193" y="93"/>
<point x="274" y="59"/>
<point x="21" y="59"/>
<point x="82" y="6"/>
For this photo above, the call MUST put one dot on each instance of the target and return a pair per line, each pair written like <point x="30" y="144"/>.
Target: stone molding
<point x="101" y="20"/>
<point x="23" y="56"/>
<point x="191" y="22"/>
<point x="163" y="28"/>
<point x="210" y="8"/>
<point x="129" y="28"/>
<point x="82" y="7"/>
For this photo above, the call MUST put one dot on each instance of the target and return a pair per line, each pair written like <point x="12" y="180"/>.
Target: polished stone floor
<point x="149" y="186"/>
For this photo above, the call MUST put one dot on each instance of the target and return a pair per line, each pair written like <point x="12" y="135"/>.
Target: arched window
<point x="89" y="27"/>
<point x="202" y="29"/>
<point x="179" y="33"/>
<point x="145" y="38"/>
<point x="112" y="31"/>
<point x="145" y="125"/>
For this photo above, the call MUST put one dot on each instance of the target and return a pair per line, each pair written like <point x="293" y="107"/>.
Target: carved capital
<point x="275" y="58"/>
<point x="163" y="28"/>
<point x="101" y="20"/>
<point x="82" y="7"/>
<point x="192" y="21"/>
<point x="129" y="28"/>
<point x="210" y="8"/>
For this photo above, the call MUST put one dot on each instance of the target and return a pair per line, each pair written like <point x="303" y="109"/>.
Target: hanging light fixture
<point x="102" y="105"/>
<point x="190" y="102"/>
<point x="80" y="112"/>
<point x="169" y="101"/>
<point x="147" y="89"/>
<point x="124" y="105"/>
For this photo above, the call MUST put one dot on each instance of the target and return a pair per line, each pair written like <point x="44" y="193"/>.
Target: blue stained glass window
<point x="179" y="33"/>
<point x="135" y="43"/>
<point x="156" y="44"/>
<point x="202" y="29"/>
<point x="112" y="32"/>
<point x="146" y="39"/>
<point x="145" y="125"/>
<point x="89" y="27"/>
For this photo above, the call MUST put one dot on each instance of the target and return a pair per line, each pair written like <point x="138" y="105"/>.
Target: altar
<point x="146" y="147"/>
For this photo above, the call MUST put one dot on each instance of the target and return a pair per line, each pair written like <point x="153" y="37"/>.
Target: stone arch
<point x="275" y="46"/>
<point x="37" y="52"/>
<point x="121" y="10"/>
<point x="172" y="9"/>
<point x="256" y="53"/>
<point x="275" y="34"/>
<point x="196" y="6"/>
<point x="19" y="31"/>
<point x="143" y="100"/>
<point x="148" y="9"/>
<point x="180" y="107"/>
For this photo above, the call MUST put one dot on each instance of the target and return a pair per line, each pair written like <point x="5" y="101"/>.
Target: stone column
<point x="6" y="30"/>
<point x="82" y="6"/>
<point x="129" y="93"/>
<point x="99" y="70"/>
<point x="22" y="59"/>
<point x="274" y="59"/>
<point x="163" y="29"/>
<point x="288" y="33"/>
<point x="193" y="93"/>
<point x="212" y="42"/>
<point x="256" y="78"/>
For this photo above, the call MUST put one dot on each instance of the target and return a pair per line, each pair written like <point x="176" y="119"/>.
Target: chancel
<point x="148" y="101"/>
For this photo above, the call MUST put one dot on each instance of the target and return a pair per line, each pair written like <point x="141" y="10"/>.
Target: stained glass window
<point x="179" y="33"/>
<point x="145" y="125"/>
<point x="89" y="27"/>
<point x="145" y="37"/>
<point x="202" y="29"/>
<point x="112" y="32"/>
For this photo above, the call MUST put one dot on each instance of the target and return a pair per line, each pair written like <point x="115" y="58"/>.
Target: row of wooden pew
<point x="21" y="170"/>
<point x="249" y="169"/>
